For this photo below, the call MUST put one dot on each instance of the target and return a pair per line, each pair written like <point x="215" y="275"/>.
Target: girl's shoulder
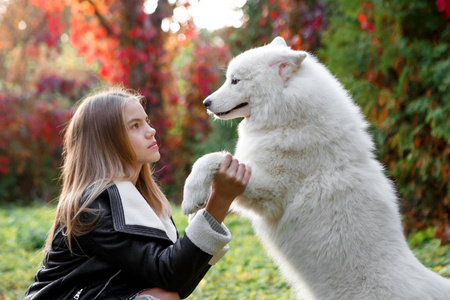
<point x="130" y="213"/>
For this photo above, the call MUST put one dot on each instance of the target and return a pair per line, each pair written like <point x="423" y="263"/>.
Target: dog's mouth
<point x="234" y="108"/>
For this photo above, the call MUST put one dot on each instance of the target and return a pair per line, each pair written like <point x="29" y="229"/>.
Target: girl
<point x="113" y="237"/>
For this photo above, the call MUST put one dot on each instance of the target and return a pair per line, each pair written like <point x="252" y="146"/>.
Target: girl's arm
<point x="229" y="182"/>
<point x="153" y="261"/>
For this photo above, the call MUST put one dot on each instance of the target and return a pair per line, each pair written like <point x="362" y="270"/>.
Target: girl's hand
<point x="229" y="182"/>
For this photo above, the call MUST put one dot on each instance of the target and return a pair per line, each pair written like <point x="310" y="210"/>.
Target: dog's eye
<point x="235" y="81"/>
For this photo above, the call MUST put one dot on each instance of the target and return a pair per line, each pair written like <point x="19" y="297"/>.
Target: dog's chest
<point x="266" y="149"/>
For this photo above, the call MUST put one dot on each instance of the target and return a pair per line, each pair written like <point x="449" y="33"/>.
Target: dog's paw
<point x="195" y="196"/>
<point x="198" y="184"/>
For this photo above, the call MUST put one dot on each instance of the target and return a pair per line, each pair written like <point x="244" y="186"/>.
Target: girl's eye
<point x="235" y="81"/>
<point x="135" y="126"/>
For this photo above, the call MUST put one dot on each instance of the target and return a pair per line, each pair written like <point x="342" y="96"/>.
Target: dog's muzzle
<point x="207" y="104"/>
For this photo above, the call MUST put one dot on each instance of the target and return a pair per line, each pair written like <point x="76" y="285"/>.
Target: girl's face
<point x="142" y="136"/>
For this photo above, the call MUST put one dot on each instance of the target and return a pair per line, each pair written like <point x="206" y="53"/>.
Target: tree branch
<point x="102" y="20"/>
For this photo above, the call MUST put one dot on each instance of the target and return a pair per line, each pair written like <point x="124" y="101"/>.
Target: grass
<point x="244" y="273"/>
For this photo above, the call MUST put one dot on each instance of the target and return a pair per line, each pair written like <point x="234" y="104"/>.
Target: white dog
<point x="318" y="198"/>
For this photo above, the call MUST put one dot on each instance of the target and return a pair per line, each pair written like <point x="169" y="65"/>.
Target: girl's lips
<point x="153" y="145"/>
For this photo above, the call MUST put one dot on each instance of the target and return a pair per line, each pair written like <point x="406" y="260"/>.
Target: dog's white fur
<point x="318" y="198"/>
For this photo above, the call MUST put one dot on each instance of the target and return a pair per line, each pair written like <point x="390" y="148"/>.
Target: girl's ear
<point x="288" y="63"/>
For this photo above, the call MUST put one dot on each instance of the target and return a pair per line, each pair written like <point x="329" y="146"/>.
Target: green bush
<point x="394" y="57"/>
<point x="223" y="136"/>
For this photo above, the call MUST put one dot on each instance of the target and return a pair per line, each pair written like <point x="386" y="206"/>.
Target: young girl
<point x="113" y="237"/>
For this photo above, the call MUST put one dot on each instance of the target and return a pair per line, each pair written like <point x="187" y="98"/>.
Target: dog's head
<point x="253" y="77"/>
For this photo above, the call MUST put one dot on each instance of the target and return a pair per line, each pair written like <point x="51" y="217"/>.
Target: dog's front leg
<point x="198" y="184"/>
<point x="265" y="194"/>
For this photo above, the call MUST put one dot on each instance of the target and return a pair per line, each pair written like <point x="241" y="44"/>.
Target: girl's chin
<point x="155" y="158"/>
<point x="150" y="161"/>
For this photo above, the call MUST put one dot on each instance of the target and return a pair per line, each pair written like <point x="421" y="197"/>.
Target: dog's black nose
<point x="207" y="103"/>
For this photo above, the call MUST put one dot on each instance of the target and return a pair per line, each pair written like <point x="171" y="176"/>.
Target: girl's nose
<point x="150" y="132"/>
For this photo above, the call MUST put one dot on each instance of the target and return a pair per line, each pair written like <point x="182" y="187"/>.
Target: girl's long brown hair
<point x="97" y="151"/>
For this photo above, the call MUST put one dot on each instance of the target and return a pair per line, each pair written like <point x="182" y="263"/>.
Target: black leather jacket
<point x="116" y="260"/>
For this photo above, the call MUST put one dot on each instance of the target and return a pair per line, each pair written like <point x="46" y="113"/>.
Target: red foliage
<point x="49" y="5"/>
<point x="298" y="22"/>
<point x="4" y="164"/>
<point x="54" y="27"/>
<point x="132" y="51"/>
<point x="129" y="47"/>
<point x="30" y="148"/>
<point x="365" y="21"/>
<point x="444" y="8"/>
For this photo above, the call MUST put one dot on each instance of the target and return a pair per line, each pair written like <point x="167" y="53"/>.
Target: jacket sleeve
<point x="155" y="261"/>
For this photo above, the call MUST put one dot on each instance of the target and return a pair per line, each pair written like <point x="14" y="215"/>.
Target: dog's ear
<point x="278" y="41"/>
<point x="289" y="63"/>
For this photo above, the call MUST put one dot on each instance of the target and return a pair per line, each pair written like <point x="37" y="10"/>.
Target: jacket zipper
<point x="107" y="283"/>
<point x="77" y="295"/>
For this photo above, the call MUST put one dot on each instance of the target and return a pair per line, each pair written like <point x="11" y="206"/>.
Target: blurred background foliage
<point x="393" y="57"/>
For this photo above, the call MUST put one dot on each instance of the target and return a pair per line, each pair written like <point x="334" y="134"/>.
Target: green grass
<point x="22" y="234"/>
<point x="244" y="273"/>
